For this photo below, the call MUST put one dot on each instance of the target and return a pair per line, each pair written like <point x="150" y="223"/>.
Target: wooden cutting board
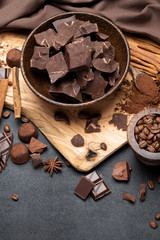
<point x="58" y="133"/>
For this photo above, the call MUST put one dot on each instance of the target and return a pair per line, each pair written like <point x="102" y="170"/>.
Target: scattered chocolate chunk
<point x="100" y="190"/>
<point x="153" y="224"/>
<point x="105" y="65"/>
<point x="96" y="88"/>
<point x="101" y="36"/>
<point x="27" y="131"/>
<point x="45" y="38"/>
<point x="94" y="177"/>
<point x="64" y="20"/>
<point x="84" y="187"/>
<point x="121" y="171"/>
<point x="15" y="197"/>
<point x="56" y="67"/>
<point x="92" y="126"/>
<point x="77" y="141"/>
<point x="6" y="114"/>
<point x="37" y="160"/>
<point x="13" y="58"/>
<point x="67" y="163"/>
<point x="6" y="128"/>
<point x="151" y="184"/>
<point x="90" y="156"/>
<point x="53" y="165"/>
<point x="119" y="120"/>
<point x="128" y="197"/>
<point x="5" y="146"/>
<point x="35" y="146"/>
<point x="40" y="57"/>
<point x="103" y="146"/>
<point x="60" y="116"/>
<point x="157" y="217"/>
<point x="24" y="119"/>
<point x="19" y="153"/>
<point x="142" y="191"/>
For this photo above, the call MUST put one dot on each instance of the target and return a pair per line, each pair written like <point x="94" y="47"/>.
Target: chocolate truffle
<point x="26" y="132"/>
<point x="19" y="153"/>
<point x="13" y="58"/>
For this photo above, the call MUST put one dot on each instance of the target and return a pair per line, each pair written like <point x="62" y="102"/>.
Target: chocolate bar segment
<point x="94" y="177"/>
<point x="40" y="57"/>
<point x="84" y="187"/>
<point x="45" y="38"/>
<point x="5" y="147"/>
<point x="100" y="190"/>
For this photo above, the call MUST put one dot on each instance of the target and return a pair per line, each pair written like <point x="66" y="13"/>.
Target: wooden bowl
<point x="144" y="156"/>
<point x="39" y="82"/>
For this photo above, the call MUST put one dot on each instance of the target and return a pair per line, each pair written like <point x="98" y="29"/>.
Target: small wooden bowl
<point x="144" y="156"/>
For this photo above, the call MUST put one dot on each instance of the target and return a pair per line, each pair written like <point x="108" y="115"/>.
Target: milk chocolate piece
<point x="105" y="65"/>
<point x="19" y="153"/>
<point x="83" y="188"/>
<point x="128" y="197"/>
<point x="100" y="190"/>
<point x="56" y="67"/>
<point x="121" y="171"/>
<point x="5" y="146"/>
<point x="26" y="132"/>
<point x="142" y="191"/>
<point x="94" y="177"/>
<point x="77" y="141"/>
<point x="45" y="38"/>
<point x="40" y="57"/>
<point x="83" y="77"/>
<point x="60" y="116"/>
<point x="101" y="36"/>
<point x="66" y="91"/>
<point x="96" y="88"/>
<point x="64" y="20"/>
<point x="35" y="146"/>
<point x="37" y="160"/>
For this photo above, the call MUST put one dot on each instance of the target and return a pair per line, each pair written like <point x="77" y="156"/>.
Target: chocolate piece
<point x="66" y="91"/>
<point x="40" y="57"/>
<point x="83" y="77"/>
<point x="151" y="184"/>
<point x="45" y="38"/>
<point x="100" y="190"/>
<point x="103" y="146"/>
<point x="13" y="58"/>
<point x="76" y="28"/>
<point x="60" y="116"/>
<point x="92" y="125"/>
<point x="77" y="141"/>
<point x="100" y="48"/>
<point x="5" y="146"/>
<point x="90" y="156"/>
<point x="19" y="153"/>
<point x="78" y="55"/>
<point x="109" y="53"/>
<point x="88" y="28"/>
<point x="83" y="114"/>
<point x="96" y="88"/>
<point x="119" y="120"/>
<point x="83" y="188"/>
<point x="37" y="160"/>
<point x="128" y="197"/>
<point x="24" y="119"/>
<point x="56" y="67"/>
<point x="35" y="146"/>
<point x="101" y="36"/>
<point x="6" y="114"/>
<point x="142" y="191"/>
<point x="26" y="132"/>
<point x="113" y="76"/>
<point x="64" y="20"/>
<point x="121" y="171"/>
<point x="105" y="65"/>
<point x="93" y="177"/>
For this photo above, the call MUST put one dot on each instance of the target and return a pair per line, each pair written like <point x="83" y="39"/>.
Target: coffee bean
<point x="149" y="142"/>
<point x="142" y="144"/>
<point x="157" y="217"/>
<point x="103" y="146"/>
<point x="148" y="121"/>
<point x="10" y="83"/>
<point x="155" y="124"/>
<point x="140" y="127"/>
<point x="15" y="197"/>
<point x="146" y="131"/>
<point x="6" y="128"/>
<point x="150" y="148"/>
<point x="24" y="119"/>
<point x="140" y="122"/>
<point x="153" y="224"/>
<point x="151" y="135"/>
<point x="0" y="169"/>
<point x="158" y="119"/>
<point x="136" y="129"/>
<point x="143" y="136"/>
<point x="136" y="137"/>
<point x="157" y="145"/>
<point x="151" y="184"/>
<point x="154" y="138"/>
<point x="6" y="114"/>
<point x="158" y="135"/>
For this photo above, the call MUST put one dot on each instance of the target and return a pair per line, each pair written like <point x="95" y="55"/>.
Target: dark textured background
<point x="48" y="209"/>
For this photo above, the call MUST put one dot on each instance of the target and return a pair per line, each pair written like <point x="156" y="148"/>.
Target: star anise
<point x="52" y="165"/>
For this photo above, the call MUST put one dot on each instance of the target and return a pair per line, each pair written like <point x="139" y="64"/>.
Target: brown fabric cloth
<point x="135" y="16"/>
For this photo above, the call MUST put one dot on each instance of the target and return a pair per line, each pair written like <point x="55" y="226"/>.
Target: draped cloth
<point x="134" y="16"/>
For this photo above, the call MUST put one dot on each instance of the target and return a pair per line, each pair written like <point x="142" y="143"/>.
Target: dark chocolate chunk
<point x="128" y="197"/>
<point x="100" y="190"/>
<point x="64" y="20"/>
<point x="142" y="191"/>
<point x="92" y="124"/>
<point x="113" y="76"/>
<point x="105" y="65"/>
<point x="96" y="88"/>
<point x="19" y="153"/>
<point x="101" y="36"/>
<point x="66" y="91"/>
<point x="27" y="131"/>
<point x="76" y="28"/>
<point x="83" y="77"/>
<point x="88" y="28"/>
<point x="40" y="57"/>
<point x="90" y="156"/>
<point x="37" y="160"/>
<point x="77" y="141"/>
<point x="35" y="146"/>
<point x="78" y="55"/>
<point x="121" y="171"/>
<point x="100" y="48"/>
<point x="5" y="146"/>
<point x="109" y="52"/>
<point x="84" y="187"/>
<point x="56" y="67"/>
<point x="45" y="38"/>
<point x="60" y="116"/>
<point x="93" y="177"/>
<point x="83" y="114"/>
<point x="119" y="120"/>
<point x="103" y="146"/>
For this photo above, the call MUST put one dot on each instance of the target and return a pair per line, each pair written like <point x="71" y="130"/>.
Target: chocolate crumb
<point x="60" y="116"/>
<point x="142" y="191"/>
<point x="6" y="114"/>
<point x="119" y="120"/>
<point x="77" y="141"/>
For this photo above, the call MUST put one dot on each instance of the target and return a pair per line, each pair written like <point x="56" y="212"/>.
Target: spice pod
<point x="142" y="154"/>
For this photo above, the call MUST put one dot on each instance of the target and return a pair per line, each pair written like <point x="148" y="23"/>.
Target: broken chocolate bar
<point x="101" y="36"/>
<point x="45" y="38"/>
<point x="93" y="177"/>
<point x="113" y="76"/>
<point x="99" y="190"/>
<point x="35" y="146"/>
<point x="40" y="57"/>
<point x="56" y="67"/>
<point x="121" y="171"/>
<point x="84" y="187"/>
<point x="5" y="147"/>
<point x="88" y="28"/>
<point x="100" y="48"/>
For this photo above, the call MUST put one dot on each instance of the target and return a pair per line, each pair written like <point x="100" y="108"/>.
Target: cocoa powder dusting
<point x="148" y="96"/>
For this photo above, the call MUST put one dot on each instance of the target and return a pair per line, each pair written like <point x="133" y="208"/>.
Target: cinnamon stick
<point x="148" y="47"/>
<point x="16" y="95"/>
<point x="3" y="91"/>
<point x="154" y="72"/>
<point x="137" y="60"/>
<point x="143" y="40"/>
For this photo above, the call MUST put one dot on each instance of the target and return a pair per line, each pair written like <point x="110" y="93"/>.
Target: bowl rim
<point x="74" y="105"/>
<point x="147" y="156"/>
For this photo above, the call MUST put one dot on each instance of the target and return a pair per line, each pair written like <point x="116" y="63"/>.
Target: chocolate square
<point x="93" y="177"/>
<point x="84" y="187"/>
<point x="100" y="190"/>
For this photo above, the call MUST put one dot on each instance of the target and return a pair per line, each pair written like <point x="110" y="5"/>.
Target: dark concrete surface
<point x="48" y="209"/>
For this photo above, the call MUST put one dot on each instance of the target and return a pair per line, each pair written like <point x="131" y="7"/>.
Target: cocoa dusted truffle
<point x="26" y="132"/>
<point x="19" y="153"/>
